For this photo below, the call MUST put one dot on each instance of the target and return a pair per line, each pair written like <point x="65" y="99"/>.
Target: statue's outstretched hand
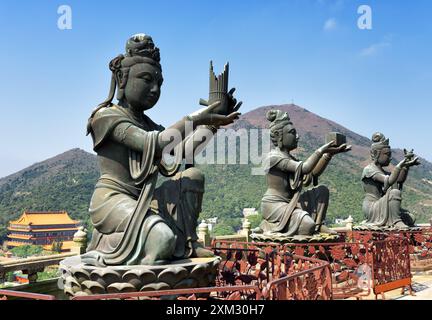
<point x="413" y="162"/>
<point x="233" y="105"/>
<point x="324" y="148"/>
<point x="227" y="105"/>
<point x="208" y="116"/>
<point x="342" y="148"/>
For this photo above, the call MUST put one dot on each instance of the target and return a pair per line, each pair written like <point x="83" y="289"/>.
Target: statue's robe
<point x="122" y="213"/>
<point x="284" y="214"/>
<point x="376" y="204"/>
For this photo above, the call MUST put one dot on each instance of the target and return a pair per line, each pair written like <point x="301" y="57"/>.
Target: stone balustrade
<point x="32" y="265"/>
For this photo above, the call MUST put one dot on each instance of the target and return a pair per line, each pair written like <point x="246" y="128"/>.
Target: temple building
<point x="42" y="228"/>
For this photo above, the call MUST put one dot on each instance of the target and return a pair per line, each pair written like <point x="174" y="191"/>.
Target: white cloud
<point x="330" y="24"/>
<point x="376" y="48"/>
<point x="334" y="5"/>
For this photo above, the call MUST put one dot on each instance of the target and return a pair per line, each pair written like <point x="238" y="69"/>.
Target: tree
<point x="56" y="246"/>
<point x="26" y="251"/>
<point x="255" y="220"/>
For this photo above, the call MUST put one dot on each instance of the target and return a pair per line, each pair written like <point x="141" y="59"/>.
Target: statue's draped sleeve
<point x="276" y="209"/>
<point x="289" y="164"/>
<point x="372" y="170"/>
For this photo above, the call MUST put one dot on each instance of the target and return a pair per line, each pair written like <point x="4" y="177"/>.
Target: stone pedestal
<point x="281" y="238"/>
<point x="80" y="279"/>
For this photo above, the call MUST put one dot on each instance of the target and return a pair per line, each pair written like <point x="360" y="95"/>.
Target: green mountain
<point x="66" y="181"/>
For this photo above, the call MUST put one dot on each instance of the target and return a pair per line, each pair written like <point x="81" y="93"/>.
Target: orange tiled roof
<point x="18" y="229"/>
<point x="54" y="229"/>
<point x="20" y="236"/>
<point x="15" y="243"/>
<point x="44" y="218"/>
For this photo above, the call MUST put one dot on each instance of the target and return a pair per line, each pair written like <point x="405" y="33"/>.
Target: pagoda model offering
<point x="145" y="237"/>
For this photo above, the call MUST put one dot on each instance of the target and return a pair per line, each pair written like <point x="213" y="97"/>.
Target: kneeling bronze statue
<point x="134" y="222"/>
<point x="383" y="190"/>
<point x="287" y="210"/>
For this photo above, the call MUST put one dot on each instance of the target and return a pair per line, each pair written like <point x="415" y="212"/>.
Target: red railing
<point x="216" y="293"/>
<point x="5" y="294"/>
<point x="248" y="272"/>
<point x="356" y="267"/>
<point x="391" y="265"/>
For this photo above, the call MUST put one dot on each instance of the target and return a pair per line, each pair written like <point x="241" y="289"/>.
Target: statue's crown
<point x="142" y="45"/>
<point x="277" y="115"/>
<point x="379" y="141"/>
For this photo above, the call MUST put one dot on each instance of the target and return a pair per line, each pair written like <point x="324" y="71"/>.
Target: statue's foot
<point x="257" y="230"/>
<point x="400" y="225"/>
<point x="325" y="229"/>
<point x="200" y="252"/>
<point x="152" y="261"/>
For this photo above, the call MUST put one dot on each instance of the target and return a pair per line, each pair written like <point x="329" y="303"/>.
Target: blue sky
<point x="307" y="51"/>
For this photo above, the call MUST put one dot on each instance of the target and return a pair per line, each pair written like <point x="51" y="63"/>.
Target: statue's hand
<point x="209" y="117"/>
<point x="413" y="162"/>
<point x="227" y="105"/>
<point x="342" y="148"/>
<point x="324" y="148"/>
<point x="233" y="105"/>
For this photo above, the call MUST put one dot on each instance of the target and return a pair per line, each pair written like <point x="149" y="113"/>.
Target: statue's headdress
<point x="379" y="141"/>
<point x="278" y="120"/>
<point x="139" y="49"/>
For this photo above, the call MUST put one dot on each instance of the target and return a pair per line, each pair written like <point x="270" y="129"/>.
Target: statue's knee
<point x="163" y="240"/>
<point x="395" y="194"/>
<point x="324" y="192"/>
<point x="307" y="226"/>
<point x="193" y="174"/>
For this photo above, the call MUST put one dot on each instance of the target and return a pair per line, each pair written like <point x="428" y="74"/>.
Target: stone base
<point x="281" y="238"/>
<point x="369" y="227"/>
<point x="420" y="264"/>
<point x="78" y="279"/>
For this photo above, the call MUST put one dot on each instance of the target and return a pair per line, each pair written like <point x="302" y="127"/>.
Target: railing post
<point x="246" y="229"/>
<point x="80" y="241"/>
<point x="204" y="234"/>
<point x="349" y="223"/>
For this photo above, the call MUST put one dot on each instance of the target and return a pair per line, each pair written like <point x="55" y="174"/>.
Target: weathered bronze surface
<point x="287" y="211"/>
<point x="134" y="222"/>
<point x="383" y="189"/>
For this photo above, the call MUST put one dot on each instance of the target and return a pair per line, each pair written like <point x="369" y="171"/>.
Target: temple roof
<point x="44" y="218"/>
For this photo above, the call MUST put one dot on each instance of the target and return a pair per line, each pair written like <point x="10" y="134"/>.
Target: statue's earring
<point x="279" y="139"/>
<point x="121" y="78"/>
<point x="374" y="155"/>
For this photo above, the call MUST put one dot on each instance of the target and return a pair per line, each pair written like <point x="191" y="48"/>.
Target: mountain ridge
<point x="66" y="181"/>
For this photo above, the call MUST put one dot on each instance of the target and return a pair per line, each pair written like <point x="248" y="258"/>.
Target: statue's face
<point x="143" y="85"/>
<point x="384" y="157"/>
<point x="289" y="137"/>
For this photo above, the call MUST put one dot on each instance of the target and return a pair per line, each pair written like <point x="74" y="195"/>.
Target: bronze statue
<point x="285" y="209"/>
<point x="383" y="190"/>
<point x="134" y="222"/>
